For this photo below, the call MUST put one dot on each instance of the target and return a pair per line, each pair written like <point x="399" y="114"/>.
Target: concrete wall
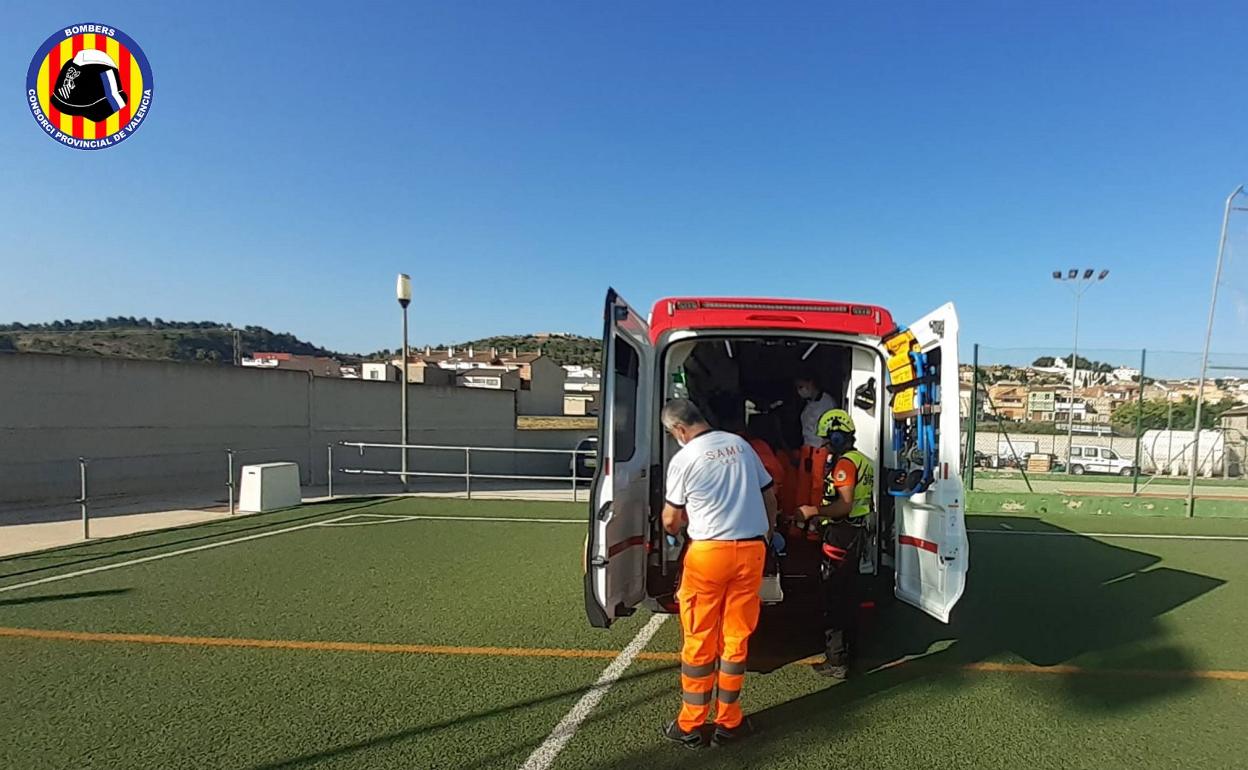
<point x="545" y="397"/>
<point x="152" y="427"/>
<point x="544" y="464"/>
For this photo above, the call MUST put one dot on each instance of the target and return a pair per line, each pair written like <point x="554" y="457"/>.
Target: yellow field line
<point x="322" y="646"/>
<point x="555" y="652"/>
<point x="1140" y="673"/>
<point x="1068" y="670"/>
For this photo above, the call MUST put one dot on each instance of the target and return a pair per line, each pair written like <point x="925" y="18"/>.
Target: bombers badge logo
<point x="89" y="86"/>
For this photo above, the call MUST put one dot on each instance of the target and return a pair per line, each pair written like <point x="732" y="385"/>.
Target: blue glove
<point x="777" y="543"/>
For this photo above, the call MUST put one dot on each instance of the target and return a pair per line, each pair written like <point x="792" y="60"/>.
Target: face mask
<point x="837" y="442"/>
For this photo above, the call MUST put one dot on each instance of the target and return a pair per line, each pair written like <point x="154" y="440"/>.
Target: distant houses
<point x="582" y="391"/>
<point x="319" y="366"/>
<point x="537" y="380"/>
<point x="542" y="387"/>
<point x="1040" y="394"/>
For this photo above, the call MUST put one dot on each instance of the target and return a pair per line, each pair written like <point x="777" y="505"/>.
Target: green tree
<point x="1180" y="415"/>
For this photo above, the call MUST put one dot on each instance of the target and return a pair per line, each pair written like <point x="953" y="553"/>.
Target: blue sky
<point x="518" y="158"/>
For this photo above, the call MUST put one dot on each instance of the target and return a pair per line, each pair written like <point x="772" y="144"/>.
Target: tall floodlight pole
<point x="404" y="294"/>
<point x="1078" y="283"/>
<point x="1204" y="360"/>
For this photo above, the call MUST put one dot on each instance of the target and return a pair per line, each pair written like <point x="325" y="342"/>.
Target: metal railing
<point x="85" y="499"/>
<point x="467" y="474"/>
<point x="94" y="480"/>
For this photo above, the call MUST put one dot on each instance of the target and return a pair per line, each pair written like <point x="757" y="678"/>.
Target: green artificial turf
<point x="1203" y="483"/>
<point x="1118" y="608"/>
<point x="1042" y="504"/>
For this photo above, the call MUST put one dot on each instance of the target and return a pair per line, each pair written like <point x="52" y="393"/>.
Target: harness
<point x="864" y="487"/>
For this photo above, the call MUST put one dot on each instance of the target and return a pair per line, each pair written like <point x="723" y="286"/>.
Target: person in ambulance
<point x="841" y="518"/>
<point x="817" y="402"/>
<point x="804" y="476"/>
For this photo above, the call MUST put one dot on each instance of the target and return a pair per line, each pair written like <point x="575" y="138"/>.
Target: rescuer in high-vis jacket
<point x="841" y="517"/>
<point x="718" y="489"/>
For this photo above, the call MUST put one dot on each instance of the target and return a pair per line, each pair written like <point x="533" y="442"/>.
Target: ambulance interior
<point x="747" y="385"/>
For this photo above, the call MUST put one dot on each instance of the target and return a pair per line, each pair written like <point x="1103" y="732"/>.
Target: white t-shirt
<point x="810" y="418"/>
<point x="719" y="480"/>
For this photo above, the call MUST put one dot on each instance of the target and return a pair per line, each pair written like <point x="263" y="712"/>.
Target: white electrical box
<point x="268" y="487"/>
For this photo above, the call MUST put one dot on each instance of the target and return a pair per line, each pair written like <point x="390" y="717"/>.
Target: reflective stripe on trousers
<point x="719" y="608"/>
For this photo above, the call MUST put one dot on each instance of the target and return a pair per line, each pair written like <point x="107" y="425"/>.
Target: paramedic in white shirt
<point x="718" y="489"/>
<point x="817" y="402"/>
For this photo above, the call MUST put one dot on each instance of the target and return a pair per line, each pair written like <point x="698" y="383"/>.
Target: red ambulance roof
<point x="768" y="314"/>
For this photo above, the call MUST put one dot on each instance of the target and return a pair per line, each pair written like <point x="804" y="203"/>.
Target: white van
<point x="1085" y="458"/>
<point x="741" y="356"/>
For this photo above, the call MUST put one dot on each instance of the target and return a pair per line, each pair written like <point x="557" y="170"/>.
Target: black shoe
<point x="673" y="733"/>
<point x="726" y="735"/>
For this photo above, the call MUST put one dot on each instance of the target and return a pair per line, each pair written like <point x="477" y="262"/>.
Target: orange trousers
<point x="719" y="608"/>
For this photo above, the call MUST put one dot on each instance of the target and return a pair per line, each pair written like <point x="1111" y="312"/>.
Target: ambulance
<point x="736" y="357"/>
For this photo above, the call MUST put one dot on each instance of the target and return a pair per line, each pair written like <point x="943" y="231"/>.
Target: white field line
<point x="400" y="517"/>
<point x="544" y="756"/>
<point x="534" y="520"/>
<point x="159" y="556"/>
<point x="1129" y="536"/>
<point x="372" y="523"/>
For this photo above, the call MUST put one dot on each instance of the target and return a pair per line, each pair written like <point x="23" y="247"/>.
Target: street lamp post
<point x="1078" y="282"/>
<point x="1204" y="360"/>
<point x="404" y="293"/>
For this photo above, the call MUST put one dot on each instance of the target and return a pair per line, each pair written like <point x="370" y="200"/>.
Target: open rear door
<point x="932" y="549"/>
<point x="619" y="512"/>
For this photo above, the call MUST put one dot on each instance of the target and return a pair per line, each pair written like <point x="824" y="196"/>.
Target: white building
<point x="580" y="372"/>
<point x="490" y="378"/>
<point x="581" y="391"/>
<point x="540" y="380"/>
<point x="380" y="372"/>
<point x="1062" y="369"/>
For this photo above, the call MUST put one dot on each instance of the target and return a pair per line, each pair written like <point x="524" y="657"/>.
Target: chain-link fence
<point x="1120" y="412"/>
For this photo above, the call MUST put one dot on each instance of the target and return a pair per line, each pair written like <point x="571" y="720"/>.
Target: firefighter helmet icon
<point x="89" y="86"/>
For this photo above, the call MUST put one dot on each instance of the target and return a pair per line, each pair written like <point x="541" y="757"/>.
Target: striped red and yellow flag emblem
<point x="131" y="83"/>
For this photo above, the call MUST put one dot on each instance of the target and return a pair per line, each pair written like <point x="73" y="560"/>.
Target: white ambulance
<point x="740" y="356"/>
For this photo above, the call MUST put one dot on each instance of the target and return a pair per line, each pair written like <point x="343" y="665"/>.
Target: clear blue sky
<point x="518" y="158"/>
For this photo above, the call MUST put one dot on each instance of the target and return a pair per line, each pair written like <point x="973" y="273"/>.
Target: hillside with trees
<point x="153" y="340"/>
<point x="565" y="350"/>
<point x="1084" y="364"/>
<point x="212" y="342"/>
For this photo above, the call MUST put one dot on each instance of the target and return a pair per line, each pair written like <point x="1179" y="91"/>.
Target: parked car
<point x="1085" y="458"/>
<point x="583" y="466"/>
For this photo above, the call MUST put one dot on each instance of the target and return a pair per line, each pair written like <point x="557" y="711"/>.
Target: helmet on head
<point x="836" y="428"/>
<point x="835" y="421"/>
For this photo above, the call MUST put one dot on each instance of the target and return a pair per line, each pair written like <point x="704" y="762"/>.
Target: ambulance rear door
<point x="619" y="513"/>
<point x="931" y="550"/>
